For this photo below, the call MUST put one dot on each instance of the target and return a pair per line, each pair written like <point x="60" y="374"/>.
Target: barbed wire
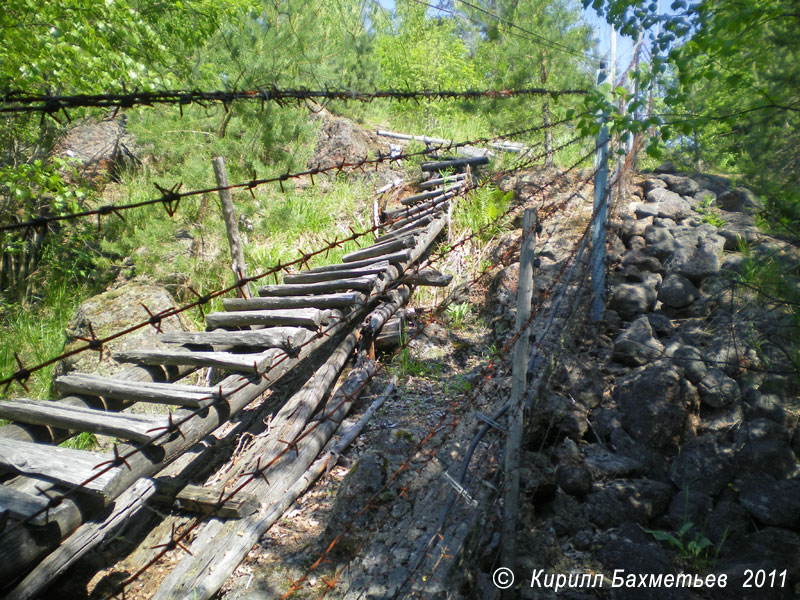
<point x="22" y="102"/>
<point x="170" y="197"/>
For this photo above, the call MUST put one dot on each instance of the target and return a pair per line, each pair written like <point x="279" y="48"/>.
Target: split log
<point x="343" y="300"/>
<point x="429" y="277"/>
<point x="160" y="393"/>
<point x="420" y="197"/>
<point x="395" y="258"/>
<point x="380" y="249"/>
<point x="456" y="163"/>
<point x="394" y="234"/>
<point x="324" y="287"/>
<point x="409" y="211"/>
<point x="127" y="426"/>
<point x="202" y="500"/>
<point x="307" y="277"/>
<point x="298" y="317"/>
<point x="449" y="179"/>
<point x="22" y="506"/>
<point x="274" y="337"/>
<point x="243" y="363"/>
<point x="62" y="465"/>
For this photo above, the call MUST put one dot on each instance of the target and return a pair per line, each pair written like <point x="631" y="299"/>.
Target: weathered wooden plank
<point x="394" y="258"/>
<point x="22" y="506"/>
<point x="274" y="337"/>
<point x="202" y="500"/>
<point x="432" y="212"/>
<point x="62" y="465"/>
<point x="430" y="277"/>
<point x="456" y="163"/>
<point x="246" y="363"/>
<point x="163" y="393"/>
<point x="298" y="317"/>
<point x="380" y="249"/>
<point x="342" y="300"/>
<point x="324" y="287"/>
<point x="307" y="277"/>
<point x="127" y="426"/>
<point x="424" y="207"/>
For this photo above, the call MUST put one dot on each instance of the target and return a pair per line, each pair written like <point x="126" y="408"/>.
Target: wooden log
<point x="239" y="267"/>
<point x="274" y="337"/>
<point x="409" y="211"/>
<point x="324" y="287"/>
<point x="456" y="163"/>
<point x="161" y="393"/>
<point x="342" y="300"/>
<point x="307" y="277"/>
<point x="22" y="506"/>
<point x="503" y="145"/>
<point x="394" y="258"/>
<point x="414" y="225"/>
<point x="380" y="249"/>
<point x="62" y="465"/>
<point x="127" y="426"/>
<point x="420" y="197"/>
<point x="219" y="547"/>
<point x="447" y="180"/>
<point x="429" y="277"/>
<point x="298" y="317"/>
<point x="244" y="363"/>
<point x="432" y="211"/>
<point x="202" y="500"/>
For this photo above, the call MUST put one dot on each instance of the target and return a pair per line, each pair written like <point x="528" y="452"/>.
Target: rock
<point x="99" y="147"/>
<point x="114" y="311"/>
<point x="574" y="478"/>
<point x="537" y="477"/>
<point x="620" y="501"/>
<point x="702" y="466"/>
<point x="771" y="406"/>
<point x="677" y="291"/>
<point x="604" y="464"/>
<point x="661" y="325"/>
<point x="732" y="355"/>
<point x="689" y="506"/>
<point x="667" y="167"/>
<point x="763" y="448"/>
<point x="660" y="222"/>
<point x="718" y="390"/>
<point x="683" y="186"/>
<point x="644" y="210"/>
<point x="631" y="299"/>
<point x="636" y="345"/>
<point x="728" y="522"/>
<point x="636" y="242"/>
<point x="769" y="550"/>
<point x="653" y="183"/>
<point x="660" y="242"/>
<point x="771" y="502"/>
<point x="690" y="359"/>
<point x="339" y="139"/>
<point x="697" y="255"/>
<point x="642" y="261"/>
<point x="670" y="205"/>
<point x="740" y="229"/>
<point x="739" y="200"/>
<point x="704" y="197"/>
<point x="634" y="227"/>
<point x="735" y="262"/>
<point x="653" y="408"/>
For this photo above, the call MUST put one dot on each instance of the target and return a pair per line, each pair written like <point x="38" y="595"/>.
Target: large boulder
<point x="683" y="186"/>
<point x="114" y="311"/>
<point x="631" y="299"/>
<point x="718" y="390"/>
<point x="771" y="502"/>
<point x="703" y="466"/>
<point x="653" y="404"/>
<point x="677" y="292"/>
<point x="670" y="205"/>
<point x="698" y="253"/>
<point x="98" y="146"/>
<point x="739" y="200"/>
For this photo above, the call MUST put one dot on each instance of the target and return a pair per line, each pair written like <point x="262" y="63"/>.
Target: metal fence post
<point x="600" y="214"/>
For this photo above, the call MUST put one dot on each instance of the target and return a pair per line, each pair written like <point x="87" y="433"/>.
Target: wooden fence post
<point x="231" y="226"/>
<point x="518" y="379"/>
<point x="600" y="214"/>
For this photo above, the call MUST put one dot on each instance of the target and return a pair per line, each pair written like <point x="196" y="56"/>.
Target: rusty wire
<point x="21" y="102"/>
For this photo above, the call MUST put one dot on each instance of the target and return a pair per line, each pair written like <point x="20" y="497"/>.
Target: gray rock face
<point x="677" y="292"/>
<point x="704" y="197"/>
<point x="702" y="466"/>
<point x="653" y="406"/>
<point x="653" y="183"/>
<point x="772" y="502"/>
<point x="684" y="186"/>
<point x="638" y="500"/>
<point x="689" y="506"/>
<point x="698" y="253"/>
<point x="113" y="311"/>
<point x="670" y="205"/>
<point x="643" y="210"/>
<point x="762" y="447"/>
<point x="637" y="345"/>
<point x="717" y="390"/>
<point x="642" y="261"/>
<point x="690" y="359"/>
<point x="631" y="299"/>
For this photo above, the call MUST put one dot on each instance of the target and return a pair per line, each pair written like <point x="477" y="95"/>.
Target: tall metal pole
<point x="600" y="214"/>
